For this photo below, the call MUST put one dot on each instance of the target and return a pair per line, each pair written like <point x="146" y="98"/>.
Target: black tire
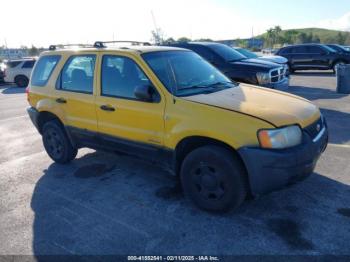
<point x="214" y="179"/>
<point x="21" y="81"/>
<point x="336" y="65"/>
<point x="57" y="144"/>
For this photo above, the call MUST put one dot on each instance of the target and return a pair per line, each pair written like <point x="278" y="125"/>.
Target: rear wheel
<point x="214" y="179"/>
<point x="57" y="144"/>
<point x="21" y="81"/>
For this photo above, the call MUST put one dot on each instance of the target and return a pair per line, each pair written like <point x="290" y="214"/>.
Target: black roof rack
<point x="62" y="46"/>
<point x="101" y="44"/>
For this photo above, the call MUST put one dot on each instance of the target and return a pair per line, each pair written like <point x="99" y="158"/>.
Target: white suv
<point x="18" y="71"/>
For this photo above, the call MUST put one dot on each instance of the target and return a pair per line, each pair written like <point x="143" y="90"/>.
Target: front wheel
<point x="57" y="144"/>
<point x="214" y="179"/>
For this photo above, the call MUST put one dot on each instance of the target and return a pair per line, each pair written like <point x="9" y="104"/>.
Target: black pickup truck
<point x="238" y="67"/>
<point x="313" y="56"/>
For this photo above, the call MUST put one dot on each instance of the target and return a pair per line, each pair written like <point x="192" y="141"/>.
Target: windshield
<point x="185" y="73"/>
<point x="246" y="53"/>
<point x="337" y="48"/>
<point x="226" y="52"/>
<point x="329" y="49"/>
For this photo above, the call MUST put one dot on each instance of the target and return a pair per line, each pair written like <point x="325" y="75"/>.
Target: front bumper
<point x="270" y="169"/>
<point x="281" y="85"/>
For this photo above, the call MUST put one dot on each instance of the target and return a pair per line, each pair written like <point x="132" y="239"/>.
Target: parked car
<point x="269" y="51"/>
<point x="271" y="58"/>
<point x="313" y="56"/>
<point x="18" y="71"/>
<point x="2" y="71"/>
<point x="340" y="49"/>
<point x="170" y="106"/>
<point x="238" y="67"/>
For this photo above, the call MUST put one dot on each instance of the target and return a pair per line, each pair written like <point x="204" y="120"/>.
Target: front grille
<point x="277" y="74"/>
<point x="315" y="128"/>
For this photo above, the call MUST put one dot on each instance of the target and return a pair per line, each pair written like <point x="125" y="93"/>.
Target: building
<point x="13" y="53"/>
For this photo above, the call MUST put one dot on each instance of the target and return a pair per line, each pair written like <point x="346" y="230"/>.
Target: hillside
<point x="305" y="35"/>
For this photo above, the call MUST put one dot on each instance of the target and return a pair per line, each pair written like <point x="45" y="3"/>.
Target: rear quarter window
<point x="44" y="69"/>
<point x="13" y="64"/>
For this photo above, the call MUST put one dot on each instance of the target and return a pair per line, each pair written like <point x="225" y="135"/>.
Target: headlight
<point x="280" y="138"/>
<point x="263" y="78"/>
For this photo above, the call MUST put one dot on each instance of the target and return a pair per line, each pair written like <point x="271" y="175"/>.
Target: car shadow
<point x="103" y="204"/>
<point x="314" y="73"/>
<point x="12" y="90"/>
<point x="338" y="125"/>
<point x="315" y="93"/>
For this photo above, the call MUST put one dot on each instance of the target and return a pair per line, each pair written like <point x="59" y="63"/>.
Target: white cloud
<point x="341" y="23"/>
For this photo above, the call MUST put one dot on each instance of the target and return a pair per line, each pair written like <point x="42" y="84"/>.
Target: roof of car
<point x="126" y="48"/>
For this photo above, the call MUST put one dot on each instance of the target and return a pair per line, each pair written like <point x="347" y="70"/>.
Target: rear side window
<point x="300" y="50"/>
<point x="13" y="64"/>
<point x="28" y="64"/>
<point x="78" y="74"/>
<point x="44" y="69"/>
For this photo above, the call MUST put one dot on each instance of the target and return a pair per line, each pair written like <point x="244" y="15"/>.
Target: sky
<point x="45" y="22"/>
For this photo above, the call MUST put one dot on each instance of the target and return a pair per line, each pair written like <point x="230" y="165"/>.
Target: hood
<point x="256" y="62"/>
<point x="276" y="107"/>
<point x="275" y="59"/>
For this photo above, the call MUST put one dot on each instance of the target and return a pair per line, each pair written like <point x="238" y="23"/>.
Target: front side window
<point x="78" y="74"/>
<point x="120" y="76"/>
<point x="28" y="64"/>
<point x="43" y="69"/>
<point x="185" y="73"/>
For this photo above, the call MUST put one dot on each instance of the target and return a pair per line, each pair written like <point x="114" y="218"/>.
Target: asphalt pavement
<point x="103" y="203"/>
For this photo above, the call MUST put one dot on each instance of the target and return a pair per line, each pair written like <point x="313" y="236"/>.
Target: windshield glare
<point x="186" y="73"/>
<point x="246" y="53"/>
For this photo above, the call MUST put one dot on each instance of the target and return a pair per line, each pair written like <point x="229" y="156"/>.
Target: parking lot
<point x="104" y="203"/>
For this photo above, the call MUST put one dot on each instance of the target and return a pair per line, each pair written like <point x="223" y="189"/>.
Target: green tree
<point x="347" y="41"/>
<point x="170" y="40"/>
<point x="204" y="40"/>
<point x="290" y="36"/>
<point x="315" y="39"/>
<point x="301" y="38"/>
<point x="33" y="51"/>
<point x="157" y="36"/>
<point x="184" y="39"/>
<point x="341" y="38"/>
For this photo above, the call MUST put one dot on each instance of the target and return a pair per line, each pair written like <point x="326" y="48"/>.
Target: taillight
<point x="27" y="92"/>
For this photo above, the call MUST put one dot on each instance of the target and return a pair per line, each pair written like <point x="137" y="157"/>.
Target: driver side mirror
<point x="144" y="93"/>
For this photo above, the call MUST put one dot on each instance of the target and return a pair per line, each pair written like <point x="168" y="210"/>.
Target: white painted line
<point x="337" y="145"/>
<point x="16" y="117"/>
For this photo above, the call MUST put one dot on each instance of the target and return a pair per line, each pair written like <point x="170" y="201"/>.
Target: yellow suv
<point x="168" y="105"/>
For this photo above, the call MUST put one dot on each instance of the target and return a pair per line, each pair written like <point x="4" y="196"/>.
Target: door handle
<point x="61" y="100"/>
<point x="107" y="108"/>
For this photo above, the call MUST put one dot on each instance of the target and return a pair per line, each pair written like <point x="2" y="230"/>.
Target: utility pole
<point x="156" y="28"/>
